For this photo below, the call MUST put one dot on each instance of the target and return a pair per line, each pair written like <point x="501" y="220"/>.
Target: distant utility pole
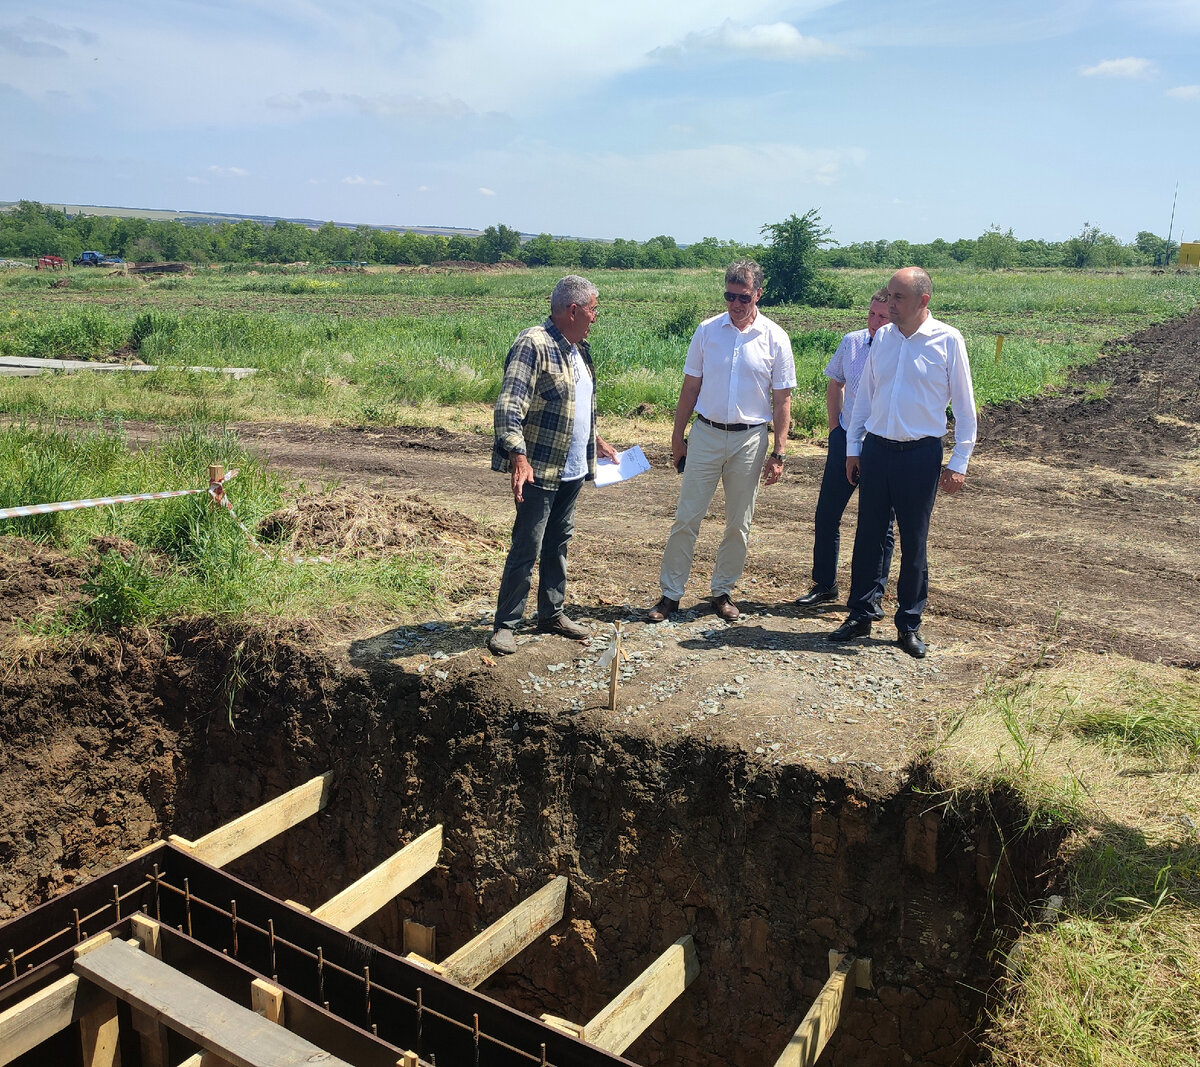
<point x="1171" y="227"/>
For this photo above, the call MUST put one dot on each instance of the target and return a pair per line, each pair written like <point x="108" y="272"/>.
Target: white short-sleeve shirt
<point x="739" y="368"/>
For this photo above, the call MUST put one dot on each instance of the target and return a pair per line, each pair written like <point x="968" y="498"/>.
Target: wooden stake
<point x="614" y="670"/>
<point x="999" y="346"/>
<point x="216" y="471"/>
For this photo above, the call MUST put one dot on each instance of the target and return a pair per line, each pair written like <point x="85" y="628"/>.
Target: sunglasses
<point x="741" y="298"/>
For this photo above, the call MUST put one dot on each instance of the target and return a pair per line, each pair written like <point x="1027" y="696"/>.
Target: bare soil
<point x="755" y="785"/>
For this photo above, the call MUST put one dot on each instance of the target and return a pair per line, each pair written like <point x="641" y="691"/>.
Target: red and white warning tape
<point x="215" y="489"/>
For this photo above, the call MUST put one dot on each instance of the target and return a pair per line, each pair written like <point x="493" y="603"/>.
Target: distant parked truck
<point x="94" y="259"/>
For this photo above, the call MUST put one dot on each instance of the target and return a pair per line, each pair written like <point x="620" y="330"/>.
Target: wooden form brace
<point x="226" y="843"/>
<point x="814" y="1032"/>
<point x="222" y="1028"/>
<point x="358" y="902"/>
<point x="487" y="952"/>
<point x="626" y="1017"/>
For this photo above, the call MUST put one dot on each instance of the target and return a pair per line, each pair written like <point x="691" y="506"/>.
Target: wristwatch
<point x="778" y="455"/>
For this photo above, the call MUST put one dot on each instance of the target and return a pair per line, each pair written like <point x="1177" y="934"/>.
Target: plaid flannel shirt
<point x="535" y="411"/>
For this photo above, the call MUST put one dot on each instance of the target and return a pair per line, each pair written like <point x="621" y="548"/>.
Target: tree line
<point x="32" y="229"/>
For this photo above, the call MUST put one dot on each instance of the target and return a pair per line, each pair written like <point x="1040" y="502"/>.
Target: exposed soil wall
<point x="768" y="867"/>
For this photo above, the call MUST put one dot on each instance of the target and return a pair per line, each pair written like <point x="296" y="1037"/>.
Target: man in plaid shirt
<point x="545" y="423"/>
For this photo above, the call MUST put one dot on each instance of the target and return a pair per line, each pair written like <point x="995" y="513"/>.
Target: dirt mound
<point x="1134" y="407"/>
<point x="363" y="522"/>
<point x="470" y="266"/>
<point x="36" y="582"/>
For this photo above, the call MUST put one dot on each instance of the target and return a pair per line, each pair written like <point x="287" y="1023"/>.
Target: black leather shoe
<point x="663" y="610"/>
<point x="564" y="627"/>
<point x="910" y="641"/>
<point x="818" y="594"/>
<point x="849" y="630"/>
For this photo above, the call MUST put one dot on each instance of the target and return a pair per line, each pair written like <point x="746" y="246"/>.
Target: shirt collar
<point x="754" y="327"/>
<point x="564" y="346"/>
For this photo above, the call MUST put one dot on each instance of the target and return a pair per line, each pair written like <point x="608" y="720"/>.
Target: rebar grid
<point x="318" y="958"/>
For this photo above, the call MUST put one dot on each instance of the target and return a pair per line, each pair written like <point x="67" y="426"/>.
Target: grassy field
<point x="1098" y="747"/>
<point x="366" y="348"/>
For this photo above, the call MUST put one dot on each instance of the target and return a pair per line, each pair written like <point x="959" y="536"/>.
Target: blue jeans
<point x="544" y="524"/>
<point x="901" y="478"/>
<point x="835" y="494"/>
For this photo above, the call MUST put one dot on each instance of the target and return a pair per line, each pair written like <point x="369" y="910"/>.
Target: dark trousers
<point x="835" y="494"/>
<point x="899" y="477"/>
<point x="544" y="524"/>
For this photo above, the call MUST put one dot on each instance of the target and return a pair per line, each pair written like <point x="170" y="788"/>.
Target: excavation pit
<point x="767" y="866"/>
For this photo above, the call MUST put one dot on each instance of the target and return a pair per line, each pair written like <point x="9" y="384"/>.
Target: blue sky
<point x="628" y="118"/>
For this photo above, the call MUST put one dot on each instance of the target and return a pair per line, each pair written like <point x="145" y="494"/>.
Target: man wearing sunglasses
<point x="738" y="379"/>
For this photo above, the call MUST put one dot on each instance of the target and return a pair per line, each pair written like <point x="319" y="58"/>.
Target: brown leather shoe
<point x="725" y="608"/>
<point x="663" y="610"/>
<point x="564" y="627"/>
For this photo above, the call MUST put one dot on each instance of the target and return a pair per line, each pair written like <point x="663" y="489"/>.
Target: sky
<point x="628" y="118"/>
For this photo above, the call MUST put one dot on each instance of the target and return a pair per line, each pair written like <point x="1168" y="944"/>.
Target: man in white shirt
<point x="918" y="366"/>
<point x="843" y="370"/>
<point x="738" y="378"/>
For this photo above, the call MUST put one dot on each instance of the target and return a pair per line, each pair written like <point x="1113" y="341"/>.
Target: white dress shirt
<point x="739" y="368"/>
<point x="906" y="385"/>
<point x="846" y="366"/>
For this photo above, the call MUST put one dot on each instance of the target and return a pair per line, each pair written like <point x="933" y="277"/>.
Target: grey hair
<point x="572" y="290"/>
<point x="744" y="272"/>
<point x="921" y="282"/>
<point x="880" y="296"/>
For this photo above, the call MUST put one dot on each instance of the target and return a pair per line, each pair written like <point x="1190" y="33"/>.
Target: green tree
<point x="790" y="263"/>
<point x="995" y="248"/>
<point x="499" y="242"/>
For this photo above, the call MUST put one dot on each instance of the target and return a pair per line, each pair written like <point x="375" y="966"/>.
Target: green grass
<point x="351" y="348"/>
<point x="182" y="556"/>
<point x="1107" y="751"/>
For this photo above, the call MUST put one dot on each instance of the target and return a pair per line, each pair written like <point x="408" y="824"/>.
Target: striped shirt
<point x="535" y="411"/>
<point x="846" y="366"/>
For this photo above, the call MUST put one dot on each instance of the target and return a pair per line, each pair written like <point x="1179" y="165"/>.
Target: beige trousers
<point x="735" y="460"/>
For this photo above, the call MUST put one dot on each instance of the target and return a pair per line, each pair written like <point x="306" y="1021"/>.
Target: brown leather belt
<point x="732" y="427"/>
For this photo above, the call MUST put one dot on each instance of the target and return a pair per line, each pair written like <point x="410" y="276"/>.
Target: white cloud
<point x="1185" y="92"/>
<point x="776" y="40"/>
<point x="228" y="172"/>
<point x="1129" y="67"/>
<point x="196" y="181"/>
<point x="484" y="191"/>
<point x="356" y="179"/>
<point x="422" y="188"/>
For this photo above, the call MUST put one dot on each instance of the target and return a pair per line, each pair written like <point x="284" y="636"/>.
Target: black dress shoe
<point x="849" y="630"/>
<point x="818" y="594"/>
<point x="910" y="641"/>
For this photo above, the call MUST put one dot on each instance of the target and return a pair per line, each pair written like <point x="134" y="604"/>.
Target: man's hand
<point x="604" y="450"/>
<point x="772" y="469"/>
<point x="852" y="469"/>
<point x="951" y="481"/>
<point x="522" y="473"/>
<point x="678" y="450"/>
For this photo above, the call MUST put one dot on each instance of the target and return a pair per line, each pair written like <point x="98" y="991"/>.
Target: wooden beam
<point x="822" y="1019"/>
<point x="148" y="932"/>
<point x="266" y="999"/>
<point x="489" y="951"/>
<point x="862" y="969"/>
<point x="100" y="1036"/>
<point x="226" y="843"/>
<point x="358" y="902"/>
<point x="565" y="1025"/>
<point x="43" y="1014"/>
<point x="213" y="1022"/>
<point x="420" y="939"/>
<point x="627" y="1015"/>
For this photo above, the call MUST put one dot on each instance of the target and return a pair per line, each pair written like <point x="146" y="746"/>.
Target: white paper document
<point x="629" y="463"/>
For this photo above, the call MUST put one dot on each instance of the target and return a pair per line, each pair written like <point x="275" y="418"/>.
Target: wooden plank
<point x="147" y="931"/>
<point x="489" y="951"/>
<point x="213" y="1022"/>
<point x="100" y="1036"/>
<point x="358" y="902"/>
<point x="43" y="1014"/>
<point x="266" y="999"/>
<point x="862" y="969"/>
<point x="620" y="1023"/>
<point x="226" y="843"/>
<point x="819" y="1024"/>
<point x="420" y="939"/>
<point x="565" y="1025"/>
